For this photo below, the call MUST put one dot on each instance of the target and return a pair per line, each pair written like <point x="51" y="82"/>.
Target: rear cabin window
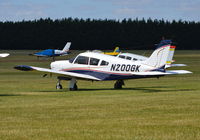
<point x="104" y="63"/>
<point x="82" y="60"/>
<point x="94" y="61"/>
<point x="122" y="56"/>
<point x="128" y="58"/>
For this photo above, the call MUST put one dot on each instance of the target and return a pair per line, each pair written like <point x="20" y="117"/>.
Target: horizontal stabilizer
<point x="169" y="72"/>
<point x="175" y="65"/>
<point x="178" y="65"/>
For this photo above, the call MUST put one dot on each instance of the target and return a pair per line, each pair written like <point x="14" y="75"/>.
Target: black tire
<point x="74" y="88"/>
<point x="58" y="86"/>
<point x="118" y="85"/>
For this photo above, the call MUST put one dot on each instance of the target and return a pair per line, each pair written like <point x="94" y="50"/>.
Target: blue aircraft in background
<point x="53" y="52"/>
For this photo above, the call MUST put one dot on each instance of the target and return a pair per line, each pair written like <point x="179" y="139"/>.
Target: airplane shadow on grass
<point x="9" y="95"/>
<point x="143" y="89"/>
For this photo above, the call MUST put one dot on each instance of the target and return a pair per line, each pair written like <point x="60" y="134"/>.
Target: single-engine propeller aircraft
<point x="136" y="57"/>
<point x="53" y="53"/>
<point x="4" y="54"/>
<point x="114" y="53"/>
<point x="100" y="67"/>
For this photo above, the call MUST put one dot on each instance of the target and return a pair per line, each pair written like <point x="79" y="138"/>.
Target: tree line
<point x="90" y="34"/>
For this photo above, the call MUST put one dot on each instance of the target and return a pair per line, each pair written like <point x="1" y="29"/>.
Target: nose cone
<point x="53" y="65"/>
<point x="59" y="65"/>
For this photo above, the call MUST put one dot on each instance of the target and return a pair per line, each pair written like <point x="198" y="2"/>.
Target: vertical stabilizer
<point x="159" y="57"/>
<point x="117" y="50"/>
<point x="67" y="46"/>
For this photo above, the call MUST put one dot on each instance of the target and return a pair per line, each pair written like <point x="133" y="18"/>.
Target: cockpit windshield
<point x="81" y="60"/>
<point x="71" y="60"/>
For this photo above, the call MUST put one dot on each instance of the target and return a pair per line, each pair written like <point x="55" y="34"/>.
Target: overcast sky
<point x="17" y="10"/>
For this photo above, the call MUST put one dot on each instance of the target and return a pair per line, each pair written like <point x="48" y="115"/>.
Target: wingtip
<point x="189" y="72"/>
<point x="23" y="68"/>
<point x="4" y="54"/>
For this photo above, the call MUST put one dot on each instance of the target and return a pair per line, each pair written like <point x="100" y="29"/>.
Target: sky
<point x="18" y="10"/>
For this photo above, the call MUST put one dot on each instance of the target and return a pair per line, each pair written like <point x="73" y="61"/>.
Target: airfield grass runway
<point x="159" y="109"/>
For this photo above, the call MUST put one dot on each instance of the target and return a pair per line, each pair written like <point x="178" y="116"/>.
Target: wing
<point x="4" y="54"/>
<point x="40" y="55"/>
<point x="68" y="74"/>
<point x="158" y="73"/>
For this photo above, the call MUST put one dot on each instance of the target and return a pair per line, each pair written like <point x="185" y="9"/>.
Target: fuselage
<point x="51" y="53"/>
<point x="101" y="66"/>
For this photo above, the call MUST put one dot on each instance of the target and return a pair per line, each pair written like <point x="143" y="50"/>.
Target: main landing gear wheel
<point x="59" y="86"/>
<point x="74" y="88"/>
<point x="118" y="84"/>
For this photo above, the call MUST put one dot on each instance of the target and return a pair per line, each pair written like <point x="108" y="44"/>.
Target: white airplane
<point x="4" y="54"/>
<point x="100" y="67"/>
<point x="131" y="56"/>
<point x="136" y="57"/>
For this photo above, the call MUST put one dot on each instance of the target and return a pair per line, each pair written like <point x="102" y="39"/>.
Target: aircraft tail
<point x="117" y="50"/>
<point x="170" y="56"/>
<point x="114" y="53"/>
<point x="67" y="46"/>
<point x="161" y="56"/>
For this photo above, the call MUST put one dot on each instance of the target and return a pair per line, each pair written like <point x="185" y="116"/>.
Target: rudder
<point x="67" y="46"/>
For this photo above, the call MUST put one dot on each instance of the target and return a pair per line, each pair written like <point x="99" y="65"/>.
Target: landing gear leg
<point x="119" y="84"/>
<point x="72" y="85"/>
<point x="58" y="85"/>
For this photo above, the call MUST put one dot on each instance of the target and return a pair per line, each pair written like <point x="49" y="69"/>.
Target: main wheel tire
<point x="118" y="85"/>
<point x="74" y="88"/>
<point x="58" y="86"/>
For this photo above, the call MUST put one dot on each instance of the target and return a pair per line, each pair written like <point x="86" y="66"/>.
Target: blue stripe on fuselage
<point x="109" y="76"/>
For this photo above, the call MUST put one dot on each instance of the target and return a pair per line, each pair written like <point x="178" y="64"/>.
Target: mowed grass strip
<point x="160" y="109"/>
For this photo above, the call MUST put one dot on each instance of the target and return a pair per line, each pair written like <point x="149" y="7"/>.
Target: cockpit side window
<point x="94" y="61"/>
<point x="82" y="60"/>
<point x="104" y="63"/>
<point x="134" y="59"/>
<point x="128" y="58"/>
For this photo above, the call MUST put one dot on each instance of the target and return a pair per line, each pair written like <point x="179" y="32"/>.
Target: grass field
<point x="146" y="109"/>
